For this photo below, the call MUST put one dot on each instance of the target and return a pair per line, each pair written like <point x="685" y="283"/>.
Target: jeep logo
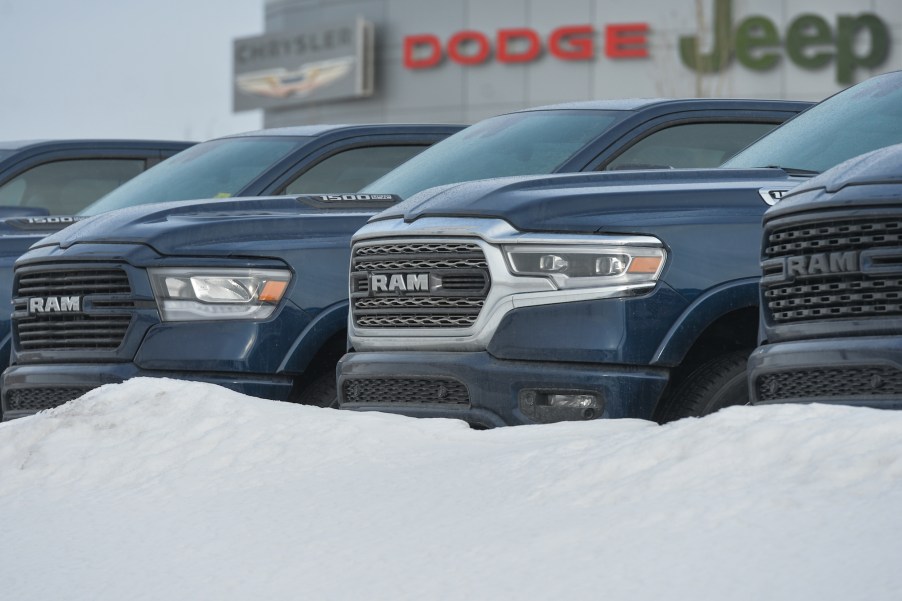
<point x="398" y="282"/>
<point x="54" y="304"/>
<point x="822" y="264"/>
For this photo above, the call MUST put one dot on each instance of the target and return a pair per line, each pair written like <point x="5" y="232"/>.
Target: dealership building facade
<point x="352" y="61"/>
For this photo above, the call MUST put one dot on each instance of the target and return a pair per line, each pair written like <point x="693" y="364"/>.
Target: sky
<point x="156" y="489"/>
<point x="122" y="68"/>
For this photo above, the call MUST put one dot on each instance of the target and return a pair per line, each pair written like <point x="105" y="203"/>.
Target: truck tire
<point x="715" y="384"/>
<point x="320" y="392"/>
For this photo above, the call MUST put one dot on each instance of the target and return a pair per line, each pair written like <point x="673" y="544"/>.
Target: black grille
<point x="103" y="328"/>
<point x="838" y="383"/>
<point x="458" y="278"/>
<point x="405" y="391"/>
<point x="843" y="290"/>
<point x="834" y="235"/>
<point x="38" y="399"/>
<point x="66" y="281"/>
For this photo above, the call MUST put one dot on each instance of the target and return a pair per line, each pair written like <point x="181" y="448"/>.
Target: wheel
<point x="715" y="384"/>
<point x="320" y="391"/>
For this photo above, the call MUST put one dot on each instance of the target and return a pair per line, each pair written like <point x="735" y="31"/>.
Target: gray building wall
<point x="454" y="93"/>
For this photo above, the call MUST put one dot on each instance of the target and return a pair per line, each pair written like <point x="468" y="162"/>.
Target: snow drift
<point x="156" y="489"/>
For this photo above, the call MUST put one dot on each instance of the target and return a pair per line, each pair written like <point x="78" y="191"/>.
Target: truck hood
<point x="873" y="178"/>
<point x="588" y="202"/>
<point x="218" y="227"/>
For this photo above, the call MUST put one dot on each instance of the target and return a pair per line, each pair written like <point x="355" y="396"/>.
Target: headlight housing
<point x="587" y="265"/>
<point x="195" y="294"/>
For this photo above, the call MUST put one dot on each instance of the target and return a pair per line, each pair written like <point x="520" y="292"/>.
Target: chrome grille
<point x="841" y="294"/>
<point x="458" y="278"/>
<point x="72" y="330"/>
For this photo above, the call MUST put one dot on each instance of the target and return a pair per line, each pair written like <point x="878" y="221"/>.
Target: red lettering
<point x="522" y="45"/>
<point x="626" y="41"/>
<point x="466" y="38"/>
<point x="413" y="44"/>
<point x="572" y="43"/>
<point x="505" y="36"/>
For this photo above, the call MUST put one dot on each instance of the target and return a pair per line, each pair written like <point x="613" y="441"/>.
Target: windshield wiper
<point x="793" y="170"/>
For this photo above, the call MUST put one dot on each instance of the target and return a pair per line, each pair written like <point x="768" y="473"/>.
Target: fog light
<point x="547" y="406"/>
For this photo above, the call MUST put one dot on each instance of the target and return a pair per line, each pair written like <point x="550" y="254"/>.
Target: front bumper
<point x="862" y="371"/>
<point x="485" y="391"/>
<point x="28" y="389"/>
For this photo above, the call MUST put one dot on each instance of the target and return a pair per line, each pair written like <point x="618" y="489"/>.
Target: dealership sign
<point x="810" y="42"/>
<point x="523" y="45"/>
<point x="303" y="66"/>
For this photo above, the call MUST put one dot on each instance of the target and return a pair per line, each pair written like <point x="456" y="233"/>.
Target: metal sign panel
<point x="303" y="66"/>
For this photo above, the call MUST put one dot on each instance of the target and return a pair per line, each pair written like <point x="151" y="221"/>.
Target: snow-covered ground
<point x="162" y="490"/>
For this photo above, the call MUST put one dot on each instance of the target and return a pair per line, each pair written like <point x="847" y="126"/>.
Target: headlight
<point x="587" y="266"/>
<point x="186" y="294"/>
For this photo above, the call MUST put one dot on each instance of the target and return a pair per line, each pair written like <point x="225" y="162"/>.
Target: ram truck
<point x="43" y="183"/>
<point x="831" y="289"/>
<point x="611" y="295"/>
<point x="253" y="294"/>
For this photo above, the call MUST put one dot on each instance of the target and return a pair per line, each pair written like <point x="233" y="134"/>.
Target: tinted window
<point x="863" y="118"/>
<point x="66" y="187"/>
<point x="351" y="170"/>
<point x="690" y="145"/>
<point x="218" y="168"/>
<point x="533" y="142"/>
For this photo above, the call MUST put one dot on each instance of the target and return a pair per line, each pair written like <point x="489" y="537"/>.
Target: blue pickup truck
<point x="252" y="293"/>
<point x="274" y="161"/>
<point x="831" y="291"/>
<point x="541" y="299"/>
<point x="44" y="182"/>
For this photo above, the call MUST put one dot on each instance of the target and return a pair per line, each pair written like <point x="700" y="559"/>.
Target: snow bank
<point x="156" y="489"/>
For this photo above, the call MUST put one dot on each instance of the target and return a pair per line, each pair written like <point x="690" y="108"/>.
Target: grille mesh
<point x="458" y="284"/>
<point x="72" y="330"/>
<point x="838" y="235"/>
<point x="840" y="294"/>
<point x="38" y="399"/>
<point x="404" y="391"/>
<point x="838" y="383"/>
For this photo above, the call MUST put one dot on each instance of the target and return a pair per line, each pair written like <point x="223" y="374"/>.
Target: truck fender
<point x="704" y="311"/>
<point x="328" y="322"/>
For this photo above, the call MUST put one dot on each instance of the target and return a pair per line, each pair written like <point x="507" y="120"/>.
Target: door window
<point x="66" y="187"/>
<point x="691" y="145"/>
<point x="351" y="170"/>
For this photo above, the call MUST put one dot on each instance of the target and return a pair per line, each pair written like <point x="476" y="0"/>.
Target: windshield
<point x="860" y="119"/>
<point x="532" y="142"/>
<point x="214" y="169"/>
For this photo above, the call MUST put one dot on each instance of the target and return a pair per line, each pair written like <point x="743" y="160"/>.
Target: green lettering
<point x="754" y="33"/>
<point x="804" y="32"/>
<point x="848" y="29"/>
<point x="721" y="51"/>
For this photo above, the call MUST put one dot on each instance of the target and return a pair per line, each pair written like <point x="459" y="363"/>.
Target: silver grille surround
<point x="507" y="291"/>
